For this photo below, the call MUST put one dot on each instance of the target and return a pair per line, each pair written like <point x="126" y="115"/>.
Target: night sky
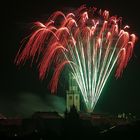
<point x="21" y="91"/>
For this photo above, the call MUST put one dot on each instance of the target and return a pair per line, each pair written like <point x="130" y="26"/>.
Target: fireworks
<point x="90" y="41"/>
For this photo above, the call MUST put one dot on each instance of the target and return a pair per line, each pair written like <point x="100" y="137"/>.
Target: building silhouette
<point x="73" y="96"/>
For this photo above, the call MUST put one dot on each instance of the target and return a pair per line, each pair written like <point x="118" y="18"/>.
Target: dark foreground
<point x="43" y="126"/>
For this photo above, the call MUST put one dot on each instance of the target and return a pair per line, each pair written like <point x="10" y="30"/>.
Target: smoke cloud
<point x="25" y="104"/>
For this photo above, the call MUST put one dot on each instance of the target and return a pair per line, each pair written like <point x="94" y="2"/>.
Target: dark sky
<point x="21" y="92"/>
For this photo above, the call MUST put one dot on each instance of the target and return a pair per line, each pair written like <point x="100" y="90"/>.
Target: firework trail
<point x="90" y="41"/>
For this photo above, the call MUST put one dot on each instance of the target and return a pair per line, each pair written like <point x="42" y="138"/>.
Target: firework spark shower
<point x="88" y="41"/>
